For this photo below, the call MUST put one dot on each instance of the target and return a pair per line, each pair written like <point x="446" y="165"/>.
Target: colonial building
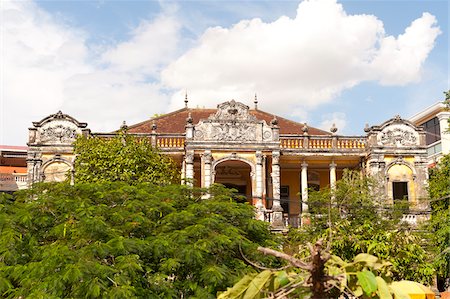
<point x="435" y="121"/>
<point x="271" y="160"/>
<point x="13" y="170"/>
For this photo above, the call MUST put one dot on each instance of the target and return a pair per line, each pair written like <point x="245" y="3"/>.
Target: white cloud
<point x="337" y="119"/>
<point x="46" y="66"/>
<point x="299" y="63"/>
<point x="152" y="45"/>
<point x="293" y="64"/>
<point x="399" y="60"/>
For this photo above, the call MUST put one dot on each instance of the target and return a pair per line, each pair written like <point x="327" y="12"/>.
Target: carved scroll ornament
<point x="59" y="133"/>
<point x="232" y="122"/>
<point x="398" y="137"/>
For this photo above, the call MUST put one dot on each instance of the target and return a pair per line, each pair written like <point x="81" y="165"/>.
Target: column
<point x="444" y="126"/>
<point x="183" y="171"/>
<point x="276" y="207"/>
<point x="206" y="162"/>
<point x="304" y="184"/>
<point x="189" y="159"/>
<point x="333" y="176"/>
<point x="258" y="176"/>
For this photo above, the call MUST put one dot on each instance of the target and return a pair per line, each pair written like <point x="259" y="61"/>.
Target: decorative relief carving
<point x="207" y="157"/>
<point x="275" y="158"/>
<point x="259" y="157"/>
<point x="227" y="172"/>
<point x="59" y="133"/>
<point x="398" y="136"/>
<point x="233" y="132"/>
<point x="232" y="123"/>
<point x="189" y="158"/>
<point x="232" y="111"/>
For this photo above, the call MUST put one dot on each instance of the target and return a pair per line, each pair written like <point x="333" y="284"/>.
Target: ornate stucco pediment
<point x="398" y="135"/>
<point x="397" y="132"/>
<point x="232" y="111"/>
<point x="56" y="129"/>
<point x="232" y="123"/>
<point x="58" y="132"/>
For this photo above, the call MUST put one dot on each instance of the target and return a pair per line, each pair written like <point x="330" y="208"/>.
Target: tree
<point x="326" y="276"/>
<point x="122" y="158"/>
<point x="115" y="240"/>
<point x="439" y="189"/>
<point x="353" y="220"/>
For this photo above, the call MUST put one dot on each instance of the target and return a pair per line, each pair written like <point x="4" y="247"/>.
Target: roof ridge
<point x="158" y="117"/>
<point x="286" y="119"/>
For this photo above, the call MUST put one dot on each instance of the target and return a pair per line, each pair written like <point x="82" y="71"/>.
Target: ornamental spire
<point x="256" y="102"/>
<point x="186" y="99"/>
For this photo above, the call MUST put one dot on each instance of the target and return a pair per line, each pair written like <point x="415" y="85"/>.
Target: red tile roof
<point x="13" y="147"/>
<point x="174" y="122"/>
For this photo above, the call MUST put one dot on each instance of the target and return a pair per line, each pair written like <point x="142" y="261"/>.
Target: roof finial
<point x="124" y="126"/>
<point x="186" y="99"/>
<point x="333" y="129"/>
<point x="256" y="102"/>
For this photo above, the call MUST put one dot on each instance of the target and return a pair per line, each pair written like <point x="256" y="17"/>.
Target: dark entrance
<point x="400" y="190"/>
<point x="236" y="175"/>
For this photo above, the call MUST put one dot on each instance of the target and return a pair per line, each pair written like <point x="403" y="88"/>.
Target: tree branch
<point x="295" y="262"/>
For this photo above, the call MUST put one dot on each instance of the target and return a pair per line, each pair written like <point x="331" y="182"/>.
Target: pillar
<point x="304" y="184"/>
<point x="333" y="176"/>
<point x="276" y="207"/>
<point x="258" y="177"/>
<point x="189" y="160"/>
<point x="206" y="163"/>
<point x="444" y="126"/>
<point x="183" y="171"/>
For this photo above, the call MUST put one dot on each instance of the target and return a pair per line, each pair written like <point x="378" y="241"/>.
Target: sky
<point x="347" y="62"/>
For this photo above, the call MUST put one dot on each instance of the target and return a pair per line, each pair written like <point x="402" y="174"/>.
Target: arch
<point x="57" y="159"/>
<point x="234" y="158"/>
<point x="400" y="161"/>
<point x="235" y="172"/>
<point x="400" y="176"/>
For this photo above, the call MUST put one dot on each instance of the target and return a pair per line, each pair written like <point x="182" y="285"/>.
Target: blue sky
<point x="319" y="61"/>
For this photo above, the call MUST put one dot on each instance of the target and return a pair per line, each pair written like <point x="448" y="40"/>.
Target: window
<point x="284" y="198"/>
<point x="400" y="190"/>
<point x="432" y="130"/>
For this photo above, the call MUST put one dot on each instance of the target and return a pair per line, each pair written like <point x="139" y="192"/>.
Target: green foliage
<point x="122" y="158"/>
<point x="366" y="276"/>
<point x="113" y="240"/>
<point x="360" y="224"/>
<point x="439" y="189"/>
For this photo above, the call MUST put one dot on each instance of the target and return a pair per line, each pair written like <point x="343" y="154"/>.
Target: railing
<point x="13" y="181"/>
<point x="288" y="220"/>
<point x="410" y="219"/>
<point x="434" y="148"/>
<point x="323" y="142"/>
<point x="170" y="142"/>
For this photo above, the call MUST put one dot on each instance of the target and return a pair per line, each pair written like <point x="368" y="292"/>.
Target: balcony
<point x="323" y="143"/>
<point x="434" y="149"/>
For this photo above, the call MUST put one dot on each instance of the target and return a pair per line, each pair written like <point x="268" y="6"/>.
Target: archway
<point x="56" y="171"/>
<point x="235" y="174"/>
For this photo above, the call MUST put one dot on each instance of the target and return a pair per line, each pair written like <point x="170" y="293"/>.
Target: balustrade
<point x="323" y="143"/>
<point x="170" y="142"/>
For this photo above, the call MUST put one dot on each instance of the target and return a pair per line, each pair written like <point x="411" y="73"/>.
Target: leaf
<point x="238" y="289"/>
<point x="383" y="289"/>
<point x="257" y="284"/>
<point x="367" y="281"/>
<point x="358" y="292"/>
<point x="398" y="292"/>
<point x="369" y="259"/>
<point x="282" y="279"/>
